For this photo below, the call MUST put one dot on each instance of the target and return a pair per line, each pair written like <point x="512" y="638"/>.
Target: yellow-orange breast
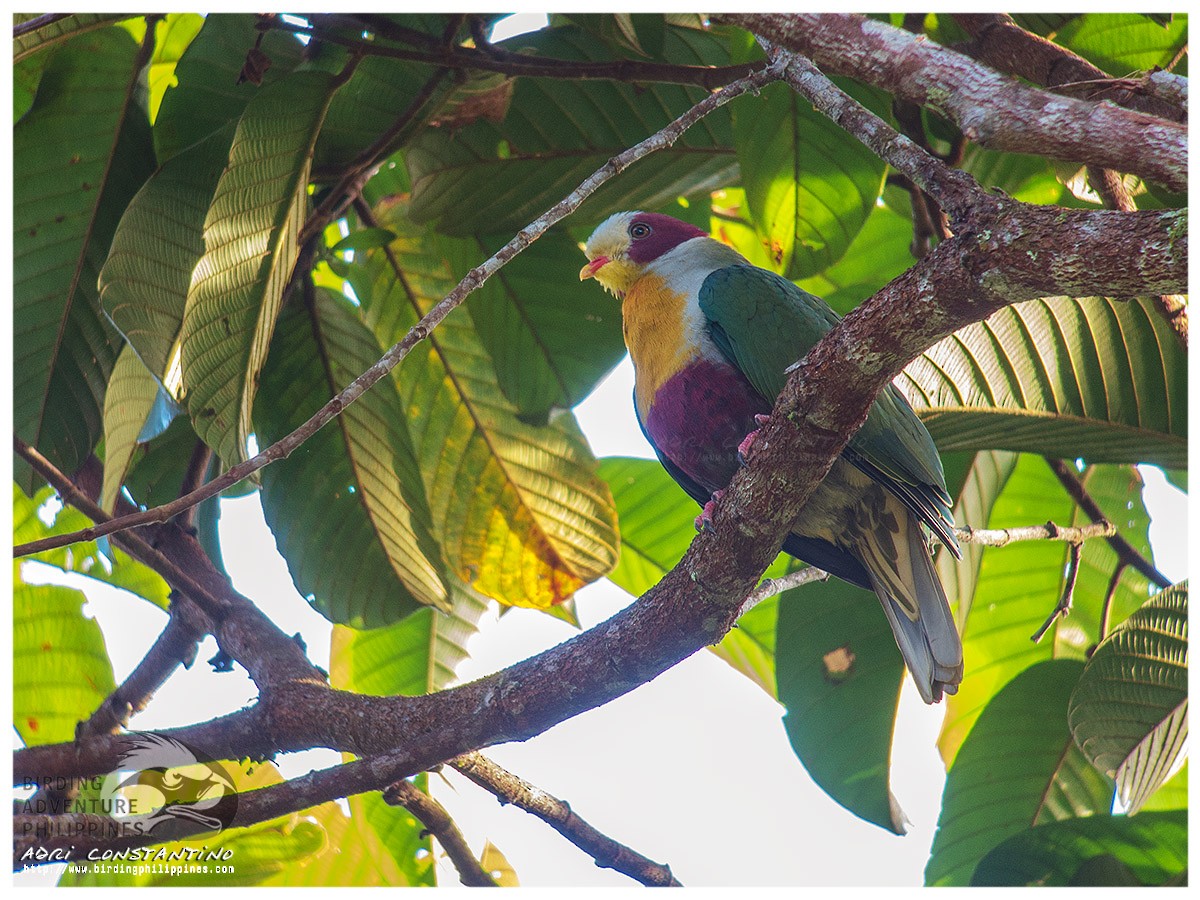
<point x="657" y="334"/>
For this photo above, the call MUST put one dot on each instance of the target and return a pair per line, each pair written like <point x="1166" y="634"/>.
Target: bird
<point x="711" y="337"/>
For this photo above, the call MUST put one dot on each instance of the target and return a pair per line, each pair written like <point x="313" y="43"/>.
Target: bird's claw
<point x="704" y="521"/>
<point x="744" y="447"/>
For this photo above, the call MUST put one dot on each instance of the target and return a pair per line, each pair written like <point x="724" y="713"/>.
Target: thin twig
<point x="438" y="823"/>
<point x="1001" y="537"/>
<point x="23" y="28"/>
<point x="1125" y="550"/>
<point x="609" y="854"/>
<point x="282" y="448"/>
<point x="1064" y="603"/>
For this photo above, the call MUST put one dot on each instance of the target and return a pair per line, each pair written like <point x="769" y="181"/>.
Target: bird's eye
<point x="639" y="230"/>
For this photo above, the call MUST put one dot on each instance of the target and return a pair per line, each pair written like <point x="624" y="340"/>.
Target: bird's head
<point x="625" y="243"/>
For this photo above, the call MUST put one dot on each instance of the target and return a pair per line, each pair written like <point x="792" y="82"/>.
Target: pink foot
<point x="704" y="521"/>
<point x="744" y="446"/>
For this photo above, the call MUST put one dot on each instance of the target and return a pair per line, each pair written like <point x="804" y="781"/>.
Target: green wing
<point x="763" y="323"/>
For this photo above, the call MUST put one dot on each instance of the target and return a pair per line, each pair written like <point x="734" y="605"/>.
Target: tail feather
<point x="901" y="572"/>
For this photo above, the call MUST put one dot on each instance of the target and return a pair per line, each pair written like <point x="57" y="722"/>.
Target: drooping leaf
<point x="839" y="674"/>
<point x="250" y="237"/>
<point x="1152" y="848"/>
<point x="1017" y="768"/>
<point x="1129" y="711"/>
<point x="809" y="184"/>
<point x="210" y="92"/>
<point x="132" y="391"/>
<point x="497" y="865"/>
<point x="84" y="150"/>
<point x="61" y="669"/>
<point x="1091" y="378"/>
<point x="144" y="282"/>
<point x="518" y="509"/>
<point x="490" y="177"/>
<point x="347" y="508"/>
<point x="52" y="33"/>
<point x="1124" y="43"/>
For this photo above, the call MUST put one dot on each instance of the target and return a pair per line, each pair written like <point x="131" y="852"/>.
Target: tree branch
<point x="609" y="854"/>
<point x="1125" y="551"/>
<point x="1007" y="47"/>
<point x="438" y="822"/>
<point x="993" y="110"/>
<point x="284" y="447"/>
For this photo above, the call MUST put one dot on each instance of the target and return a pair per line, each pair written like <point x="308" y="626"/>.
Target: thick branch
<point x="556" y="813"/>
<point x="993" y="110"/>
<point x="1007" y="47"/>
<point x="284" y="447"/>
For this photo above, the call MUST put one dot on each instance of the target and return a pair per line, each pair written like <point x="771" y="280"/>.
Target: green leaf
<point x="547" y="354"/>
<point x="26" y="76"/>
<point x="250" y="250"/>
<point x="1044" y="24"/>
<point x="1129" y="711"/>
<point x="1172" y="795"/>
<point x="1151" y="847"/>
<point x="839" y="675"/>
<point x="173" y="34"/>
<point x="1024" y="177"/>
<point x="640" y="34"/>
<point x="347" y="509"/>
<point x="51" y="34"/>
<point x="132" y="391"/>
<point x="84" y="150"/>
<point x="518" y="509"/>
<point x="1092" y="378"/>
<point x="363" y="239"/>
<point x="210" y="91"/>
<point x="1018" y="767"/>
<point x="144" y="283"/>
<point x="1124" y="43"/>
<point x="809" y="184"/>
<point x="61" y="669"/>
<point x="1018" y="585"/>
<point x="488" y="178"/>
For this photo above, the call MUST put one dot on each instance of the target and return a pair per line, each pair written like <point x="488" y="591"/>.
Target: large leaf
<point x="173" y="35"/>
<point x="1125" y="43"/>
<point x="1129" y="711"/>
<point x="250" y="238"/>
<point x="61" y="669"/>
<point x="657" y="526"/>
<point x="1019" y="585"/>
<point x="1151" y="848"/>
<point x="488" y="177"/>
<point x="211" y="91"/>
<point x="518" y="509"/>
<point x="84" y="148"/>
<point x="144" y="282"/>
<point x="809" y="184"/>
<point x="839" y="674"/>
<point x="1017" y="768"/>
<point x="347" y="509"/>
<point x="52" y="33"/>
<point x="548" y="353"/>
<point x="132" y="392"/>
<point x="1091" y="378"/>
